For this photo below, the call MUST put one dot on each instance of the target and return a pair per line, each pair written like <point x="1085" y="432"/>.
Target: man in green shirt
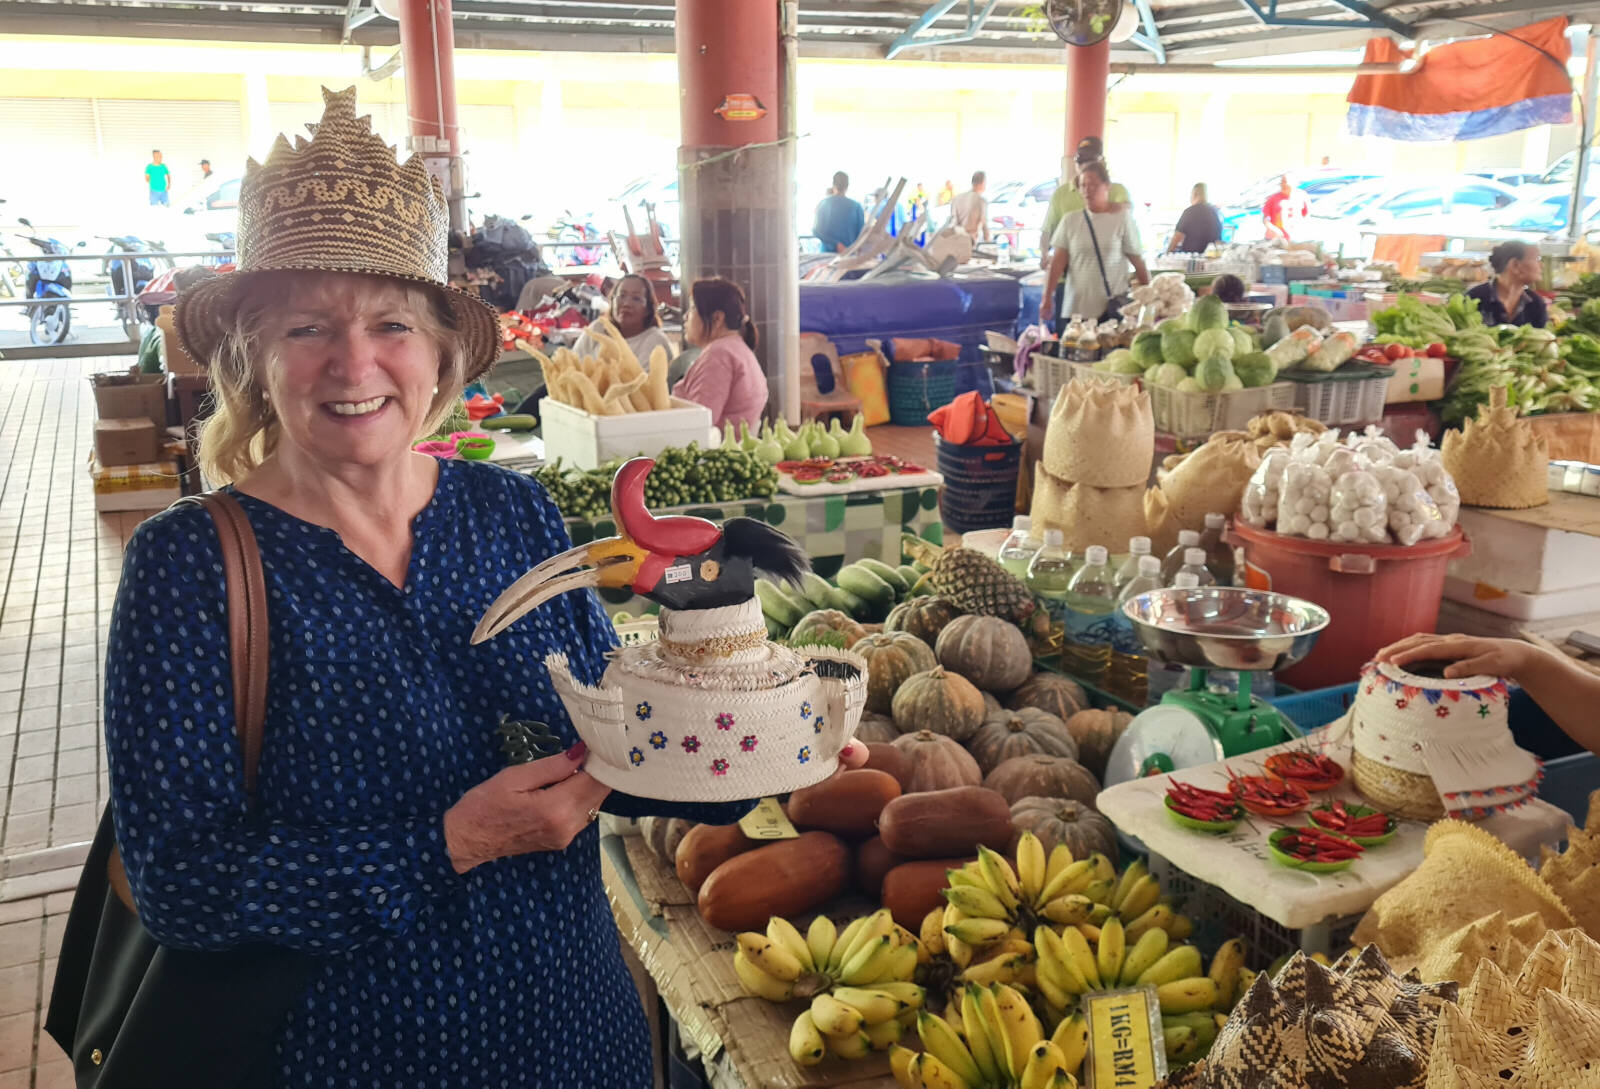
<point x="159" y="179"/>
<point x="1067" y="200"/>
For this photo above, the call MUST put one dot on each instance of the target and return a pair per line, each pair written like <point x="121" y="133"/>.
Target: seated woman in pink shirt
<point x="726" y="377"/>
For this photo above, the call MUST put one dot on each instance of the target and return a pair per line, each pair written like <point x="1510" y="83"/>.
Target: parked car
<point x="1017" y="210"/>
<point x="1455" y="205"/>
<point x="1321" y="185"/>
<point x="1544" y="215"/>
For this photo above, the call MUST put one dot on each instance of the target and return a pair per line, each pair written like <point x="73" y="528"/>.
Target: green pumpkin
<point x="893" y="657"/>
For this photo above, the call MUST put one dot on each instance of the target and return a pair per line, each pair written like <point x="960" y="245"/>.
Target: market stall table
<point x="691" y="964"/>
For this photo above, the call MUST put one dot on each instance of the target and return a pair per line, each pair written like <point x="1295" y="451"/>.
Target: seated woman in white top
<point x="633" y="312"/>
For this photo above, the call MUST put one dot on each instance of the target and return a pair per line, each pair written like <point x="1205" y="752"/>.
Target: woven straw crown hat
<point x="339" y="202"/>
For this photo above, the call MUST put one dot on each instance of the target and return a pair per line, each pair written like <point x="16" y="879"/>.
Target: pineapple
<point x="977" y="584"/>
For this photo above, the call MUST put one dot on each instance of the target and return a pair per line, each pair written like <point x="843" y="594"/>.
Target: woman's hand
<point x="538" y="806"/>
<point x="853" y="755"/>
<point x="1468" y="655"/>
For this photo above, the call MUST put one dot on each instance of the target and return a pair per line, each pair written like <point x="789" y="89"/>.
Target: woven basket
<point x="1402" y="793"/>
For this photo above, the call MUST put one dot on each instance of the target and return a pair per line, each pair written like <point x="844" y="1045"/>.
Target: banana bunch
<point x="858" y="981"/>
<point x="990" y="899"/>
<point x="992" y="1041"/>
<point x="1136" y="899"/>
<point x="1068" y="966"/>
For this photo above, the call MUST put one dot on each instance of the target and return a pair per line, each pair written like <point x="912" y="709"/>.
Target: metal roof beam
<point x="1149" y="39"/>
<point x="1367" y="18"/>
<point x="936" y="11"/>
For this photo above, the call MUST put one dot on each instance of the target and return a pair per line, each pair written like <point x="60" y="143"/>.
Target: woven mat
<point x="692" y="965"/>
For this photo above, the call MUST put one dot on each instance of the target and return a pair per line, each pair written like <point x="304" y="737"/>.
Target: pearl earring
<point x="435" y="390"/>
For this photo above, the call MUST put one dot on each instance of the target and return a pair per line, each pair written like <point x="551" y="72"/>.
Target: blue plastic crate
<point x="1568" y="782"/>
<point x="1310" y="710"/>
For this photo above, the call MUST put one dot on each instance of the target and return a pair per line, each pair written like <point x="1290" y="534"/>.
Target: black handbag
<point x="131" y="1012"/>
<point x="1114" y="303"/>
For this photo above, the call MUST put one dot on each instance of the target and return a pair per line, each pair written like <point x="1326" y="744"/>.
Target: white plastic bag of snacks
<point x="1259" y="504"/>
<point x="1426" y="462"/>
<point x="1413" y="514"/>
<point x="1303" y="500"/>
<point x="1359" y="509"/>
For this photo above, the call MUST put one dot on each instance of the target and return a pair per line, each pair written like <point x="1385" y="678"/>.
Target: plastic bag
<point x="1413" y="514"/>
<point x="1259" y="504"/>
<point x="1358" y="509"/>
<point x="1428" y="465"/>
<point x="1303" y="500"/>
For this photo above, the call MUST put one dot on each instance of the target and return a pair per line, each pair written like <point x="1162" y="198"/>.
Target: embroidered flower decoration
<point x="724" y="721"/>
<point x="643" y="710"/>
<point x="805" y="754"/>
<point x="658" y="740"/>
<point x="816" y="727"/>
<point x="691" y="744"/>
<point x="805" y="709"/>
<point x="748" y="743"/>
<point x="1483" y="710"/>
<point x="1442" y="712"/>
<point x="1402" y="703"/>
<point x="635" y="757"/>
<point x="719" y="767"/>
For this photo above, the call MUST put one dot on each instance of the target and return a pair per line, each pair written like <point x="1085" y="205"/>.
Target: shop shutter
<point x="185" y="133"/>
<point x="56" y="136"/>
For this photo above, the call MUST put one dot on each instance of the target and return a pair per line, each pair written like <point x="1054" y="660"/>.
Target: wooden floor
<point x="909" y="443"/>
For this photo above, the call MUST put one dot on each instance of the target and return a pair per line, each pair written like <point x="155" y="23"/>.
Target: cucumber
<point x="866" y="585"/>
<point x="778" y="605"/>
<point x="516" y="422"/>
<point x="816" y="590"/>
<point x="887" y="574"/>
<point x="846" y="602"/>
<point x="775" y="630"/>
<point x="910" y="574"/>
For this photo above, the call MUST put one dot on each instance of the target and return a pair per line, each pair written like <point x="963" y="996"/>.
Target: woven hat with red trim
<point x="339" y="202"/>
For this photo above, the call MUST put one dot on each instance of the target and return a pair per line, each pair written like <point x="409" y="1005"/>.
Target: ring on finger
<point x="594" y="815"/>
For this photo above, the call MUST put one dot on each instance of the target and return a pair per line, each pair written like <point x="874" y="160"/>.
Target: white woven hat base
<point x="661" y="788"/>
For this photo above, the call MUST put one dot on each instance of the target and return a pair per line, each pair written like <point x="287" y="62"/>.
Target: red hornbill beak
<point x="612" y="562"/>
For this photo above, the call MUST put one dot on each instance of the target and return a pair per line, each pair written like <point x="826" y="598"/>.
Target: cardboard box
<point x="151" y="486"/>
<point x="131" y="395"/>
<point x="127" y="442"/>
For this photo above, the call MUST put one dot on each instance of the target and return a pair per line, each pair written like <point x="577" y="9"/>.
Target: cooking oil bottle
<point x="1127" y="672"/>
<point x="1049" y="575"/>
<point x="1138" y="548"/>
<point x="1092" y="594"/>
<point x="1018" y="550"/>
<point x="1187" y="539"/>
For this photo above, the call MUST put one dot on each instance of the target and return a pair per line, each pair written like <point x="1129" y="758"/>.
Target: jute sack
<point x="1212" y="479"/>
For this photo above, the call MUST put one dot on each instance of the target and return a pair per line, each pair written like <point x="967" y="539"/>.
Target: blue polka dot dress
<point x="380" y="715"/>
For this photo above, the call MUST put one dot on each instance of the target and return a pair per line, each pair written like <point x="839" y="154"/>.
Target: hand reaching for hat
<point x="1469" y="656"/>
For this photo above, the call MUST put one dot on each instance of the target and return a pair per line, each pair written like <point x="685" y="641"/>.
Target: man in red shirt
<point x="1283" y="209"/>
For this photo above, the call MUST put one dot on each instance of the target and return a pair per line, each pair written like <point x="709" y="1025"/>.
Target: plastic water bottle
<point x="1049" y="574"/>
<point x="1127" y="672"/>
<point x="1163" y="677"/>
<point x="1138" y="548"/>
<point x="1004" y="245"/>
<point x="1018" y="550"/>
<point x="1219" y="553"/>
<point x="1187" y="539"/>
<point x="1086" y="643"/>
<point x="1194" y="563"/>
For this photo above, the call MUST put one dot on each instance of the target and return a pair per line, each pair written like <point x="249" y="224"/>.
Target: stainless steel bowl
<point x="1226" y="627"/>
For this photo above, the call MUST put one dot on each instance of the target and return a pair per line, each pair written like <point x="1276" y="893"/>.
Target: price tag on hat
<point x="767" y="821"/>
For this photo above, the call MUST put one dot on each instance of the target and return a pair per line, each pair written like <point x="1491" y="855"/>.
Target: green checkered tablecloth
<point x="833" y="529"/>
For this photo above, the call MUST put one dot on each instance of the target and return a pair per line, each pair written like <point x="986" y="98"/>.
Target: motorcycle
<point x="570" y="228"/>
<point x="48" y="321"/>
<point x="141" y="270"/>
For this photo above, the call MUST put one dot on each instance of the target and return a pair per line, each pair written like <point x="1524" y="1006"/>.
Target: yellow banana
<point x="1082" y="957"/>
<point x="1060" y="858"/>
<point x="932" y="935"/>
<point x="899" y="963"/>
<point x="1150" y="947"/>
<point x="991" y="1024"/>
<point x="900" y="1060"/>
<point x="999" y="877"/>
<point x="978" y="1040"/>
<point x="877" y="925"/>
<point x="769" y="956"/>
<point x="1063" y="968"/>
<point x="1063" y="1080"/>
<point x="1181" y="928"/>
<point x="1181" y="1042"/>
<point x="1157" y="918"/>
<point x="909" y="995"/>
<point x="1103" y="869"/>
<point x="978" y="931"/>
<point x="849" y="1045"/>
<point x="885" y="1034"/>
<point x="1247" y="979"/>
<point x="1187" y="995"/>
<point x="783" y="934"/>
<point x="928" y="1072"/>
<point x="1141" y="897"/>
<point x="1110" y="951"/>
<point x="943" y="1043"/>
<point x="1049" y="981"/>
<point x="1182" y="962"/>
<point x="1019" y="1026"/>
<point x="1002" y="969"/>
<point x="834" y="1018"/>
<point x="960" y="952"/>
<point x="1130" y="877"/>
<point x="806" y="1045"/>
<point x="1203" y="1024"/>
<point x="842" y="941"/>
<point x="820" y="937"/>
<point x="980" y="903"/>
<point x="901" y="935"/>
<point x="868" y="962"/>
<point x="1225" y="968"/>
<point x="1073" y="877"/>
<point x="1099" y="890"/>
<point x="759" y="983"/>
<point x="1031" y="867"/>
<point x="1322" y="959"/>
<point x="875" y="1007"/>
<point x="1069" y="910"/>
<point x="968" y="876"/>
<point x="1072" y="1038"/>
<point x="1043" y="1062"/>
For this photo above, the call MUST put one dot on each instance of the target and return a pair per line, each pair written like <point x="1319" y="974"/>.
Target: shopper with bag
<point x="356" y="891"/>
<point x="1093" y="248"/>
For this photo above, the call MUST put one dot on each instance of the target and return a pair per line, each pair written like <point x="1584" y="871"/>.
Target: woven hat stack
<point x="339" y="202"/>
<point x="1497" y="460"/>
<point x="1098" y="448"/>
<point x="1574" y="874"/>
<point x="1503" y="942"/>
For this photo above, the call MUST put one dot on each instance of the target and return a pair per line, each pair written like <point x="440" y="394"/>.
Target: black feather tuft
<point x="768" y="549"/>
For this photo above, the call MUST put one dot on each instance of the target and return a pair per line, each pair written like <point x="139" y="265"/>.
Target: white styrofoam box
<point x="1416" y="378"/>
<point x="1523" y="558"/>
<point x="1521" y="606"/>
<point x="587" y="441"/>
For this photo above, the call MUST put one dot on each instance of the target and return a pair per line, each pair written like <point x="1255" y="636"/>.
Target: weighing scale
<point x="1212" y="627"/>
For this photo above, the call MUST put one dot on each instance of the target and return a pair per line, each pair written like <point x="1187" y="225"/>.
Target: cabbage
<point x="1213" y="372"/>
<point x="1232" y="383"/>
<point x="1243" y="341"/>
<point x="1208" y="313"/>
<point x="1122" y="361"/>
<point x="1166" y="374"/>
<point x="1170" y="324"/>
<point x="1255" y="369"/>
<point x="1189" y="385"/>
<point x="1177" y="346"/>
<point x="1213" y="342"/>
<point x="1147" y="349"/>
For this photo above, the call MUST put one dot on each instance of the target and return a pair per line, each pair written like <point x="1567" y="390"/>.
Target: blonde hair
<point x="242" y="430"/>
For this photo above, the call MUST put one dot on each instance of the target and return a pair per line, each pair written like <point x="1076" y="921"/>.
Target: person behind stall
<point x="1508" y="297"/>
<point x="633" y="312"/>
<point x="1093" y="249"/>
<point x="1199" y="227"/>
<point x="451" y="908"/>
<point x="1068" y="199"/>
<point x="1283" y="211"/>
<point x="970" y="210"/>
<point x="1229" y="288"/>
<point x="205" y="170"/>
<point x="726" y="377"/>
<point x="158" y="179"/>
<point x="1564" y="690"/>
<point x="839" y="219"/>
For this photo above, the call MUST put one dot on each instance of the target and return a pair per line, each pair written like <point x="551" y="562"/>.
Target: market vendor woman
<point x="726" y="376"/>
<point x="1508" y="297"/>
<point x="633" y="312"/>
<point x="451" y="908"/>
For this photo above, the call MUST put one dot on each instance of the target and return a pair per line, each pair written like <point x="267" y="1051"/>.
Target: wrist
<point x="460" y="859"/>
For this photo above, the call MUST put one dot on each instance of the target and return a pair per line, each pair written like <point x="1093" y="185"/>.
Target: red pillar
<point x="726" y="48"/>
<point x="1088" y="67"/>
<point x="427" y="46"/>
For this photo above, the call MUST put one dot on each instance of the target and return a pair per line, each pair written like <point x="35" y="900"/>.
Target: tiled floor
<point x="59" y="562"/>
